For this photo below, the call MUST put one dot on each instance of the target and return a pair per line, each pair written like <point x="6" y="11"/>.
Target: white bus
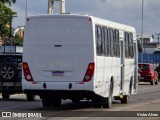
<point x="79" y="57"/>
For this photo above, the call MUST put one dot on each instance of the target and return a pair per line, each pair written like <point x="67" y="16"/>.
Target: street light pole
<point x="142" y="31"/>
<point x="26" y="9"/>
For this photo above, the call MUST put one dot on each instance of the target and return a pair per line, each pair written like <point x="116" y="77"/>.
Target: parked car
<point x="11" y="75"/>
<point x="147" y="73"/>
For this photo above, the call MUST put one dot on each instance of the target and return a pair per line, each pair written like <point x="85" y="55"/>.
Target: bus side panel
<point x="116" y="76"/>
<point x="129" y="72"/>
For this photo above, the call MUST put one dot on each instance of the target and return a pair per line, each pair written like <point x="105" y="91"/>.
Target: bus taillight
<point x="27" y="73"/>
<point x="89" y="72"/>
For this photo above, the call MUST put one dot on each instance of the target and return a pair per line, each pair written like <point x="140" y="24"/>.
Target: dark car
<point x="11" y="75"/>
<point x="147" y="73"/>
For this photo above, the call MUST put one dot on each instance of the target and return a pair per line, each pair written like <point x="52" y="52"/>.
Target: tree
<point x="6" y="16"/>
<point x="8" y="1"/>
<point x="17" y="41"/>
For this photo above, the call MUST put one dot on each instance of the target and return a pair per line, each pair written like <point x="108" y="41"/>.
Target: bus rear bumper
<point x="63" y="94"/>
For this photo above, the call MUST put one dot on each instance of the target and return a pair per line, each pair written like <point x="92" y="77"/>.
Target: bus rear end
<point x="58" y="57"/>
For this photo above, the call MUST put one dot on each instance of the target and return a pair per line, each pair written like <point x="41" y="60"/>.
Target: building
<point x="149" y="43"/>
<point x="146" y="38"/>
<point x="19" y="31"/>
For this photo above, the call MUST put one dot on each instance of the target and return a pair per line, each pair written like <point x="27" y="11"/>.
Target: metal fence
<point x="149" y="58"/>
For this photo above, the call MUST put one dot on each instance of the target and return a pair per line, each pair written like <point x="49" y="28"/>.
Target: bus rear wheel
<point x="108" y="100"/>
<point x="56" y="102"/>
<point x="125" y="99"/>
<point x="76" y="101"/>
<point x="46" y="101"/>
<point x="5" y="95"/>
<point x="30" y="97"/>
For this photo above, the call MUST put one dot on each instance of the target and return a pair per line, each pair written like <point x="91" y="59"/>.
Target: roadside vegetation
<point x="6" y="18"/>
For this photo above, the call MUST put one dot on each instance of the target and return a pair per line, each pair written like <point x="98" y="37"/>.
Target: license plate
<point x="58" y="73"/>
<point x="141" y="77"/>
<point x="8" y="84"/>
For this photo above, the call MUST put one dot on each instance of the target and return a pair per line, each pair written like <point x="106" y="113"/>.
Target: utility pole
<point x="10" y="35"/>
<point x="158" y="34"/>
<point x="51" y="4"/>
<point x="142" y="30"/>
<point x="26" y="11"/>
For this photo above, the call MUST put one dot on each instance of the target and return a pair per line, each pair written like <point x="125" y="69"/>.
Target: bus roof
<point x="114" y="25"/>
<point x="95" y="20"/>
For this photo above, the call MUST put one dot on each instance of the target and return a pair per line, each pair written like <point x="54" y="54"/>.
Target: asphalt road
<point x="147" y="99"/>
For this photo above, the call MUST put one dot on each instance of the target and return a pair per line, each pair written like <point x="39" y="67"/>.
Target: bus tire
<point x="30" y="97"/>
<point x="108" y="100"/>
<point x="97" y="105"/>
<point x="97" y="101"/>
<point x="46" y="101"/>
<point x="5" y="95"/>
<point x="56" y="103"/>
<point x="125" y="99"/>
<point x="77" y="101"/>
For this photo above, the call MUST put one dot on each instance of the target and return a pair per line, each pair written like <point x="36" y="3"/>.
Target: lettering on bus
<point x="71" y="31"/>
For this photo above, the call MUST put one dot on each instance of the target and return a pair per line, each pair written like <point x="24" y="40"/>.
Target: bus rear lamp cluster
<point x="27" y="73"/>
<point x="89" y="72"/>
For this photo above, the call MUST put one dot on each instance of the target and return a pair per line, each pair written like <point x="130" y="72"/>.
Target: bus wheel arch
<point x="112" y="83"/>
<point x="131" y="85"/>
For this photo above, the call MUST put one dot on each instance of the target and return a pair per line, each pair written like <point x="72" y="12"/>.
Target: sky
<point x="127" y="12"/>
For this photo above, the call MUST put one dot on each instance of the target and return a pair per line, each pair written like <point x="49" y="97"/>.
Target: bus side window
<point x="126" y="45"/>
<point x="109" y="41"/>
<point x="105" y="42"/>
<point x="131" y="52"/>
<point x="110" y="36"/>
<point x="99" y="45"/>
<point x="116" y="43"/>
